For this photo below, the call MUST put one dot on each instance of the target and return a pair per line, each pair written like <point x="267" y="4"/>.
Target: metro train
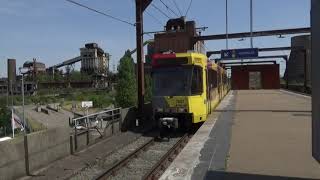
<point x="186" y="89"/>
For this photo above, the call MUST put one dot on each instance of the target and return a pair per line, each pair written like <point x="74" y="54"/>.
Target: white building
<point x="94" y="60"/>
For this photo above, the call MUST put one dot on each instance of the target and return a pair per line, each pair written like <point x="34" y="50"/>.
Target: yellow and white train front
<point x="179" y="89"/>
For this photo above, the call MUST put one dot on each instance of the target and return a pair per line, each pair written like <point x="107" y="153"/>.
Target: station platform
<point x="253" y="134"/>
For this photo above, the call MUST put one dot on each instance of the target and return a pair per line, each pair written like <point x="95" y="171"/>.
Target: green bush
<point x="5" y="116"/>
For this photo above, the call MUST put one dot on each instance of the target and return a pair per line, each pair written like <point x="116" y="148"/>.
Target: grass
<point x="101" y="99"/>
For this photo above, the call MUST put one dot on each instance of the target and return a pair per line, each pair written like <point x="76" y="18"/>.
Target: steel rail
<point x="167" y="157"/>
<point x="117" y="166"/>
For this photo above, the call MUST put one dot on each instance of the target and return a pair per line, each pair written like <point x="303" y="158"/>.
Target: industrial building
<point x="35" y="67"/>
<point x="178" y="37"/>
<point x="299" y="64"/>
<point x="94" y="60"/>
<point x="12" y="84"/>
<point x="12" y="75"/>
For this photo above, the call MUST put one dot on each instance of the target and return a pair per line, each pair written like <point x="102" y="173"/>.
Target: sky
<point x="53" y="30"/>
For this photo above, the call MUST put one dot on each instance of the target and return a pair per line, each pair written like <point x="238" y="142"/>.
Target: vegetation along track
<point x="146" y="162"/>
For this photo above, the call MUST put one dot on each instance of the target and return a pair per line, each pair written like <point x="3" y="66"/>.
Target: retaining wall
<point x="44" y="147"/>
<point x="129" y="116"/>
<point x="12" y="164"/>
<point x="47" y="146"/>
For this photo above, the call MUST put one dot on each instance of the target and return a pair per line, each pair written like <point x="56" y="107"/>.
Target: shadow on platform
<point x="222" y="175"/>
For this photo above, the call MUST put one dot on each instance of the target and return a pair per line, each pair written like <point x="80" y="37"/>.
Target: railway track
<point x="146" y="162"/>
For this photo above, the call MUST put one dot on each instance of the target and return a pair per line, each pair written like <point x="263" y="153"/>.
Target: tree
<point x="126" y="89"/>
<point x="5" y="117"/>
<point x="75" y="76"/>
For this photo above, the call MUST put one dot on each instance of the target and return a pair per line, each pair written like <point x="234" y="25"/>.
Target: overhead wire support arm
<point x="254" y="34"/>
<point x="154" y="32"/>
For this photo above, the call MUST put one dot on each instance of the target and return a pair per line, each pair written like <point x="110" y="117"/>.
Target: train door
<point x="213" y="92"/>
<point x="219" y="82"/>
<point x="198" y="98"/>
<point x="208" y="91"/>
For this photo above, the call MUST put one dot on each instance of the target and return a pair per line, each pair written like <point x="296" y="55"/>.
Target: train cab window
<point x="196" y="82"/>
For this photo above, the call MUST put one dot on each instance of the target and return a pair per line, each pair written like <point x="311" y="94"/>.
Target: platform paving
<point x="254" y="134"/>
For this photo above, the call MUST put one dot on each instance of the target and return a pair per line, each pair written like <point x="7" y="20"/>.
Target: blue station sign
<point x="240" y="53"/>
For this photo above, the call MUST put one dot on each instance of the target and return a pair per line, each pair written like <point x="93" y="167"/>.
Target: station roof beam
<point x="209" y="53"/>
<point x="254" y="34"/>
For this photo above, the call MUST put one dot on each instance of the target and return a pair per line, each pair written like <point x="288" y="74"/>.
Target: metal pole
<point x="315" y="41"/>
<point x="287" y="68"/>
<point x="305" y="71"/>
<point x="251" y="24"/>
<point x="7" y="94"/>
<point x="22" y="91"/>
<point x="11" y="91"/>
<point x="26" y="154"/>
<point x="227" y="30"/>
<point x="139" y="36"/>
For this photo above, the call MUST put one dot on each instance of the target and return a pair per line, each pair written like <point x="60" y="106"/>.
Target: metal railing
<point x="100" y="117"/>
<point x="96" y="122"/>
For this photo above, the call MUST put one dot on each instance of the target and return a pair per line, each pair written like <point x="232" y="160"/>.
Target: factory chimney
<point x="12" y="76"/>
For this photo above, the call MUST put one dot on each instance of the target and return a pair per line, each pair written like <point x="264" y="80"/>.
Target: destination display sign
<point x="240" y="53"/>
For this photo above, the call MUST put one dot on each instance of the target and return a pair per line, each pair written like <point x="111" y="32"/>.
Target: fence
<point x="95" y="126"/>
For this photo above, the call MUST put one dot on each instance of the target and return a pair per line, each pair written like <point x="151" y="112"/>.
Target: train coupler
<point x="169" y="122"/>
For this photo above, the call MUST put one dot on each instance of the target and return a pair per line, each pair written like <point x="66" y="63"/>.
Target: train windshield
<point x="177" y="81"/>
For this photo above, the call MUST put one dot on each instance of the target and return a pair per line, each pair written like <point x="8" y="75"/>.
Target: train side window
<point x="212" y="78"/>
<point x="197" y="82"/>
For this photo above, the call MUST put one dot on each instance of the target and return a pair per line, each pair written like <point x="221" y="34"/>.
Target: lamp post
<point x="227" y="30"/>
<point x="26" y="151"/>
<point x="251" y="24"/>
<point x="22" y="72"/>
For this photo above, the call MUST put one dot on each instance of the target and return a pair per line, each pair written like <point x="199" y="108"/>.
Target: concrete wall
<point x="12" y="161"/>
<point x="270" y="77"/>
<point x="82" y="141"/>
<point x="44" y="147"/>
<point x="47" y="146"/>
<point x="129" y="116"/>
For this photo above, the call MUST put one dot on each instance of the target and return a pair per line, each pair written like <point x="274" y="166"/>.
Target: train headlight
<point x="159" y="109"/>
<point x="182" y="110"/>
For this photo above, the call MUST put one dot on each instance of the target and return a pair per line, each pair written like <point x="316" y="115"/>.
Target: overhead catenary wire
<point x="156" y="19"/>
<point x="163" y="13"/>
<point x="169" y="9"/>
<point x="102" y="13"/>
<point x="206" y="47"/>
<point x="188" y="8"/>
<point x="177" y="7"/>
